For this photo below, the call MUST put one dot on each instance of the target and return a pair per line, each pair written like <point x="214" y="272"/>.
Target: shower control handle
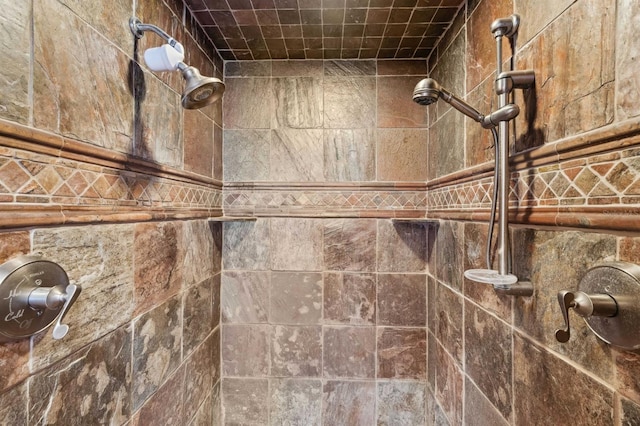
<point x="585" y="305"/>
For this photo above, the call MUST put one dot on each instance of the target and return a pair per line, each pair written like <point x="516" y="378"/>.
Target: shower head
<point x="199" y="91"/>
<point x="427" y="91"/>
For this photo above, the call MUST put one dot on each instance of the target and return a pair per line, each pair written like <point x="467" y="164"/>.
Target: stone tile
<point x="91" y="386"/>
<point x="395" y="103"/>
<point x="296" y="351"/>
<point x="415" y="67"/>
<point x="295" y="401"/>
<point x="14" y="405"/>
<point x="449" y="254"/>
<point x="630" y="412"/>
<point x="627" y="371"/>
<point x="402" y="154"/>
<point x="16" y="20"/>
<point x="296" y="298"/>
<point x="448" y="321"/>
<point x="197" y="321"/>
<point x="449" y="386"/>
<point x="488" y="357"/>
<point x="13" y="244"/>
<point x="165" y="406"/>
<point x="247" y="103"/>
<point x="201" y="249"/>
<point x="349" y="155"/>
<point x="157" y="349"/>
<point x="100" y="260"/>
<point x="158" y="252"/>
<point x="349" y="352"/>
<point x="304" y="68"/>
<point x="627" y="51"/>
<point x="216" y="296"/>
<point x="106" y="103"/>
<point x="218" y="148"/>
<point x="350" y="68"/>
<point x="204" y="416"/>
<point x="446" y="145"/>
<point x="435" y="415"/>
<point x="245" y="401"/>
<point x="216" y="405"/>
<point x="402" y="247"/>
<point x="479" y="143"/>
<point x="450" y="72"/>
<point x="245" y="350"/>
<point x="539" y="316"/>
<point x="349" y="102"/>
<point x="198" y="146"/>
<point x="402" y="353"/>
<point x="479" y="408"/>
<point x="538" y="372"/>
<point x="246" y="155"/>
<point x="198" y="378"/>
<point x="535" y="17"/>
<point x="402" y="300"/>
<point x="296" y="244"/>
<point x="248" y="68"/>
<point x="296" y="155"/>
<point x="350" y="299"/>
<point x="350" y="245"/>
<point x="14" y="363"/>
<point x="216" y="355"/>
<point x="349" y="403"/>
<point x="246" y="245"/>
<point x="245" y="297"/>
<point x="298" y="102"/>
<point x="401" y="403"/>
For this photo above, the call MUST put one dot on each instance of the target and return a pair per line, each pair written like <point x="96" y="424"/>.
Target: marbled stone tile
<point x="488" y="357"/>
<point x="446" y="145"/>
<point x="302" y="68"/>
<point x="296" y="298"/>
<point x="91" y="386"/>
<point x="350" y="299"/>
<point x="449" y="386"/>
<point x="157" y="349"/>
<point x="198" y="142"/>
<point x="627" y="365"/>
<point x="246" y="155"/>
<point x="202" y="252"/>
<point x="165" y="406"/>
<point x="204" y="415"/>
<point x="105" y="103"/>
<point x="216" y="300"/>
<point x="402" y="353"/>
<point x="629" y="412"/>
<point x="402" y="300"/>
<point x="349" y="352"/>
<point x="158" y="251"/>
<point x="349" y="102"/>
<point x="627" y="53"/>
<point x="247" y="103"/>
<point x="14" y="81"/>
<point x="248" y="68"/>
<point x="402" y="154"/>
<point x="246" y="245"/>
<point x="298" y="102"/>
<point x="435" y="415"/>
<point x="100" y="260"/>
<point x="448" y="320"/>
<point x="479" y="408"/>
<point x="245" y="297"/>
<point x="395" y="103"/>
<point x="349" y="403"/>
<point x="402" y="247"/>
<point x="401" y="403"/>
<point x="350" y="245"/>
<point x="415" y="67"/>
<point x="296" y="351"/>
<point x="198" y="378"/>
<point x="197" y="321"/>
<point x="245" y="350"/>
<point x="296" y="155"/>
<point x="216" y="405"/>
<point x="479" y="143"/>
<point x="296" y="244"/>
<point x="216" y="355"/>
<point x="560" y="260"/>
<point x="218" y="148"/>
<point x="534" y="17"/>
<point x="295" y="402"/>
<point x="14" y="405"/>
<point x="245" y="401"/>
<point x="13" y="244"/>
<point x="449" y="254"/>
<point x="349" y="68"/>
<point x="349" y="155"/>
<point x="450" y="73"/>
<point x="14" y="363"/>
<point x="538" y="372"/>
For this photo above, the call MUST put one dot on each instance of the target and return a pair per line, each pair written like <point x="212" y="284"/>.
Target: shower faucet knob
<point x="584" y="305"/>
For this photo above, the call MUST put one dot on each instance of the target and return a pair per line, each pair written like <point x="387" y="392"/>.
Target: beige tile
<point x="245" y="297"/>
<point x="349" y="154"/>
<point x="395" y="103"/>
<point x="401" y="154"/>
<point x="295" y="401"/>
<point x="296" y="351"/>
<point x="246" y="155"/>
<point x="245" y="401"/>
<point x="351" y="402"/>
<point x="15" y="81"/>
<point x="245" y="350"/>
<point x="296" y="155"/>
<point x="401" y="403"/>
<point x="298" y="102"/>
<point x="296" y="244"/>
<point x="349" y="352"/>
<point x="295" y="298"/>
<point x="247" y="103"/>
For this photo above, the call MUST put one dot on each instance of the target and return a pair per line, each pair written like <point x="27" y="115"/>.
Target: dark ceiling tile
<point x="286" y="4"/>
<point x="263" y="4"/>
<point x="333" y="4"/>
<point x="240" y="4"/>
<point x="378" y="16"/>
<point x="332" y="16"/>
<point x="289" y="16"/>
<point x="356" y="30"/>
<point x="267" y="17"/>
<point x="245" y="17"/>
<point x="291" y="31"/>
<point x="216" y="4"/>
<point x="355" y="16"/>
<point x="311" y="16"/>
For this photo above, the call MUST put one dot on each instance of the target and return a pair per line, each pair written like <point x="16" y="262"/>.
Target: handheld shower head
<point x="199" y="91"/>
<point x="427" y="91"/>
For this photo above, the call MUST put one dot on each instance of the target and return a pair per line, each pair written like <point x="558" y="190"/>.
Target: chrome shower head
<point x="199" y="91"/>
<point x="426" y="91"/>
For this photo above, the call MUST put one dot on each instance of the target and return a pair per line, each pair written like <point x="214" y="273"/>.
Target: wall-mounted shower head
<point x="199" y="91"/>
<point x="427" y="91"/>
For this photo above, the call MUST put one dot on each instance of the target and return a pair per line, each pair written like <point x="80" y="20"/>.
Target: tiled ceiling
<point x="324" y="29"/>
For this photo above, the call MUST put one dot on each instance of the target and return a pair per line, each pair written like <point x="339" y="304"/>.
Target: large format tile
<point x="349" y="352"/>
<point x="402" y="247"/>
<point x="14" y="82"/>
<point x="298" y="102"/>
<point x="246" y="245"/>
<point x="296" y="351"/>
<point x="349" y="298"/>
<point x="350" y="245"/>
<point x="401" y="403"/>
<point x="245" y="401"/>
<point x="296" y="244"/>
<point x="349" y="155"/>
<point x="349" y="403"/>
<point x="402" y="353"/>
<point x="245" y="297"/>
<point x="296" y="298"/>
<point x="402" y="300"/>
<point x="295" y="402"/>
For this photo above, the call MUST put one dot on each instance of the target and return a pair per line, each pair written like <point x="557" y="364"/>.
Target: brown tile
<point x="449" y="386"/>
<point x="402" y="353"/>
<point x="14" y="405"/>
<point x="296" y="244"/>
<point x="630" y="412"/>
<point x="198" y="146"/>
<point x="349" y="155"/>
<point x="246" y="245"/>
<point x="245" y="350"/>
<point x="298" y="102"/>
<point x="296" y="155"/>
<point x="296" y="298"/>
<point x="395" y="104"/>
<point x="446" y="147"/>
<point x="15" y="363"/>
<point x="401" y="154"/>
<point x="448" y="321"/>
<point x="296" y="351"/>
<point x="402" y="300"/>
<point x="479" y="408"/>
<point x="349" y="299"/>
<point x="349" y="352"/>
<point x="15" y="87"/>
<point x="245" y="297"/>
<point x="240" y="114"/>
<point x="197" y="320"/>
<point x="534" y="18"/>
<point x="402" y="247"/>
<point x="626" y="42"/>
<point x="246" y="155"/>
<point x="401" y="403"/>
<point x="198" y="378"/>
<point x="448" y="246"/>
<point x="349" y="245"/>
<point x="627" y="368"/>
<point x="14" y="244"/>
<point x="295" y="401"/>
<point x="165" y="406"/>
<point x="351" y="403"/>
<point x="349" y="102"/>
<point x="247" y="68"/>
<point x="201" y="247"/>
<point x="245" y="401"/>
<point x="204" y="415"/>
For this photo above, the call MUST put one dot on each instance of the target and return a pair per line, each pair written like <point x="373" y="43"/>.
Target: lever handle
<point x="585" y="305"/>
<point x="60" y="330"/>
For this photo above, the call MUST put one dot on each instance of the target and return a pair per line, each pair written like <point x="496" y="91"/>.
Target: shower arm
<point x="138" y="29"/>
